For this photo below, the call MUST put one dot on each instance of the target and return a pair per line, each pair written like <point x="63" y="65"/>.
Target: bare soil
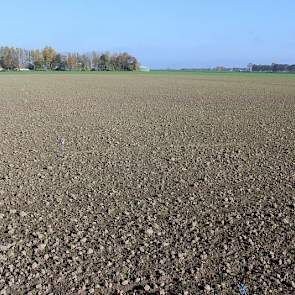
<point x="142" y="184"/>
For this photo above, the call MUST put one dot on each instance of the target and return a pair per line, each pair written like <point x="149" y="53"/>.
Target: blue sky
<point x="161" y="33"/>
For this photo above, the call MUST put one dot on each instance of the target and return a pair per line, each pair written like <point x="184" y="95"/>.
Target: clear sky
<point x="161" y="33"/>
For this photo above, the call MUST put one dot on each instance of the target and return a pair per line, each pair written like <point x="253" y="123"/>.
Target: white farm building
<point x="144" y="69"/>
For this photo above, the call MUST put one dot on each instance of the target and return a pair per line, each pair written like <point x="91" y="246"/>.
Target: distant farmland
<point x="141" y="183"/>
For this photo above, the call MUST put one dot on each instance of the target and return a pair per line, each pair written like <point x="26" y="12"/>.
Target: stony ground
<point x="143" y="184"/>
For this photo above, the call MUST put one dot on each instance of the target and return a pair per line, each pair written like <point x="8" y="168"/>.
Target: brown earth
<point x="147" y="184"/>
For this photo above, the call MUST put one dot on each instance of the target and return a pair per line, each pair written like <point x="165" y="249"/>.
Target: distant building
<point x="144" y="69"/>
<point x="250" y="67"/>
<point x="1" y="69"/>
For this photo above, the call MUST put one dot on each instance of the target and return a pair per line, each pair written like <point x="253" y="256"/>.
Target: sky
<point x="162" y="34"/>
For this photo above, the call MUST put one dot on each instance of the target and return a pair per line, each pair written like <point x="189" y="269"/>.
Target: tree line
<point x="49" y="59"/>
<point x="272" y="68"/>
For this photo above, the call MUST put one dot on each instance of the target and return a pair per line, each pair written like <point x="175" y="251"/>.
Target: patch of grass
<point x="159" y="73"/>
